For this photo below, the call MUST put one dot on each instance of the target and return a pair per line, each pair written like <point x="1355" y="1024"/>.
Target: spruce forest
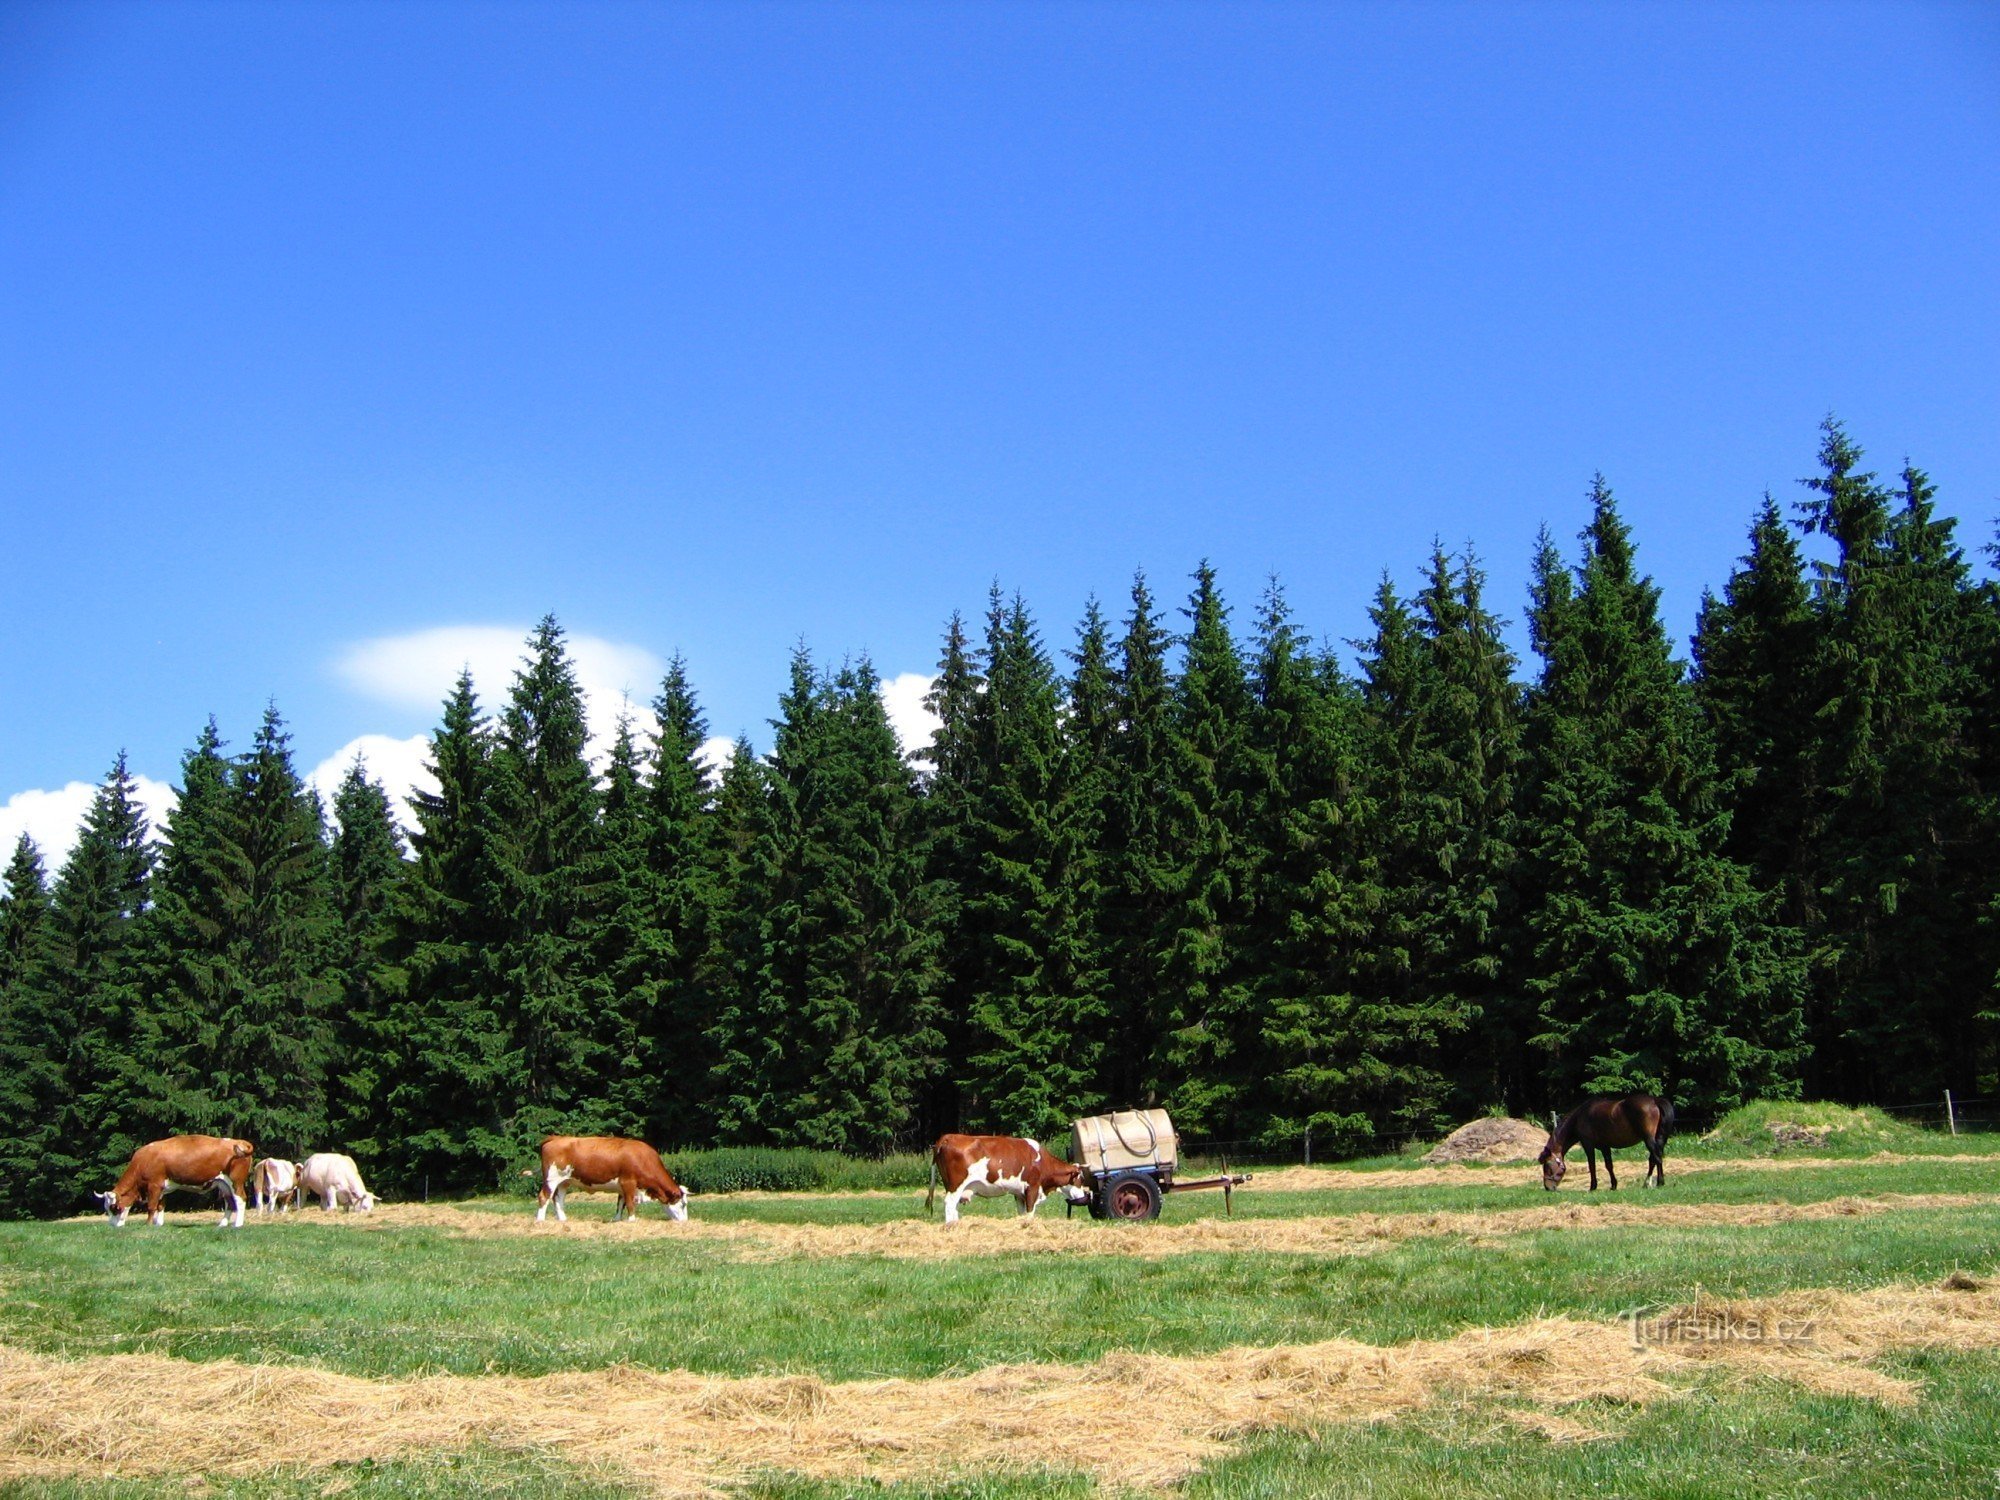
<point x="1186" y="857"/>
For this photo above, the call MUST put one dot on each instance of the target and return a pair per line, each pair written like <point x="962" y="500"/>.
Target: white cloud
<point x="716" y="752"/>
<point x="419" y="670"/>
<point x="400" y="765"/>
<point x="55" y="819"/>
<point x="903" y="697"/>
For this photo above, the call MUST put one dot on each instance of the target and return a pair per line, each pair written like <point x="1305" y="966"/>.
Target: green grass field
<point x="396" y="1302"/>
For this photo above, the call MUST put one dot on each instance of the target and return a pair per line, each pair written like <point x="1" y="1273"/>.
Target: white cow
<point x="334" y="1177"/>
<point x="277" y="1184"/>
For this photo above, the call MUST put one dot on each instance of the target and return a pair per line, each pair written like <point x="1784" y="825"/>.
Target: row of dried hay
<point x="1342" y="1234"/>
<point x="681" y="1434"/>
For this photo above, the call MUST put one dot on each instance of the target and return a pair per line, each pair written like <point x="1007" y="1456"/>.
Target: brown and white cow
<point x="276" y="1185"/>
<point x="989" y="1165"/>
<point x="331" y="1177"/>
<point x="602" y="1162"/>
<point x="221" y="1163"/>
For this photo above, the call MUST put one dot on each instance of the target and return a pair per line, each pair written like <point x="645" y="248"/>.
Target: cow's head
<point x="1067" y="1178"/>
<point x="113" y="1209"/>
<point x="367" y="1203"/>
<point x="676" y="1204"/>
<point x="1554" y="1164"/>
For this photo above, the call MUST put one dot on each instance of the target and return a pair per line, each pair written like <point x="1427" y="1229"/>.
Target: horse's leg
<point x="1609" y="1170"/>
<point x="1656" y="1152"/>
<point x="1590" y="1160"/>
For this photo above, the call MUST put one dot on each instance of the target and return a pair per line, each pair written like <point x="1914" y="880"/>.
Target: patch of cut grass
<point x="399" y="1302"/>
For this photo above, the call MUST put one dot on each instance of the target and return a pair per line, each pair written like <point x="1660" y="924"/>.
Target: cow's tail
<point x="931" y="1196"/>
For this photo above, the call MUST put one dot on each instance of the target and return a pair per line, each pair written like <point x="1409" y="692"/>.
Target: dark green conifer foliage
<point x="1652" y="958"/>
<point x="244" y="988"/>
<point x="1312" y="891"/>
<point x="30" y="1038"/>
<point x="1142" y="862"/>
<point x="1017" y="942"/>
<point x="88" y="984"/>
<point x="683" y="861"/>
<point x="1757" y="653"/>
<point x="450" y="1066"/>
<point x="1205" y="1055"/>
<point x="1082" y="958"/>
<point x="1466" y="776"/>
<point x="956" y="771"/>
<point x="1409" y="1012"/>
<point x="1903" y="871"/>
<point x="752" y="939"/>
<point x="367" y="868"/>
<point x="630" y="948"/>
<point x="552" y="880"/>
<point x="834" y="1038"/>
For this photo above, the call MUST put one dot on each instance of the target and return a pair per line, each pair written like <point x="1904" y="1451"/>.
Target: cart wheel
<point x="1133" y="1197"/>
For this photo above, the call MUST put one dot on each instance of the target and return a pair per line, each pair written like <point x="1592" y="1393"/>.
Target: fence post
<point x="1309" y="1145"/>
<point x="1950" y="1114"/>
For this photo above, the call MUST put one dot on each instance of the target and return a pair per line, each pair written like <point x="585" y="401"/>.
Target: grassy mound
<point x="1785" y="1127"/>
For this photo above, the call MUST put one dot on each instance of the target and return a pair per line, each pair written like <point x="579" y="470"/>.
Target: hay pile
<point x="687" y="1435"/>
<point x="1493" y="1140"/>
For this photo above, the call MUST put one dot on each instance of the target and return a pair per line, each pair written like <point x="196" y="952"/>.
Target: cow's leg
<point x="155" y="1198"/>
<point x="628" y="1196"/>
<point x="1031" y="1202"/>
<point x="952" y="1200"/>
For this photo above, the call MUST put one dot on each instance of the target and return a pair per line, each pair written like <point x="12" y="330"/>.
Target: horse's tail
<point x="1666" y="1121"/>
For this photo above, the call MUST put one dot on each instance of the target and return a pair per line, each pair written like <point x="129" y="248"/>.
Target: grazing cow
<point x="334" y="1177"/>
<point x="592" y="1162"/>
<point x="989" y="1165"/>
<point x="186" y="1161"/>
<point x="277" y="1185"/>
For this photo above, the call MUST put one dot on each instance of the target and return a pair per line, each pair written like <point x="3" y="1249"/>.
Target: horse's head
<point x="1554" y="1164"/>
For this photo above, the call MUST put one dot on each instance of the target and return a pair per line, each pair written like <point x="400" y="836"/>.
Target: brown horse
<point x="1598" y="1125"/>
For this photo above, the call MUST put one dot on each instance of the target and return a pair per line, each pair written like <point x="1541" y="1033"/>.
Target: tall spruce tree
<point x="243" y="988"/>
<point x="366" y="868"/>
<point x="1141" y="858"/>
<point x="954" y="782"/>
<point x="1082" y="957"/>
<point x="1757" y="678"/>
<point x="1472" y="769"/>
<point x="88" y="984"/>
<point x="1205" y="1055"/>
<point x="1018" y="940"/>
<point x="684" y="864"/>
<point x="1903" y="862"/>
<point x="30" y="1042"/>
<point x="753" y="943"/>
<point x="553" y="884"/>
<point x="1313" y="891"/>
<point x="449" y="1064"/>
<point x="1653" y="960"/>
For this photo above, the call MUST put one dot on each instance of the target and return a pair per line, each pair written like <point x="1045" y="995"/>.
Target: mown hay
<point x="685" y="1435"/>
<point x="1341" y="1234"/>
<point x="1492" y="1141"/>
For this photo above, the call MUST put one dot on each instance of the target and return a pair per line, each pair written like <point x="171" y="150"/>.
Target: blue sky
<point x="338" y="344"/>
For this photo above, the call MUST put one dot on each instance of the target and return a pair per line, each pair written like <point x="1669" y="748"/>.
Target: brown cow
<point x="989" y="1165"/>
<point x="592" y="1162"/>
<point x="189" y="1161"/>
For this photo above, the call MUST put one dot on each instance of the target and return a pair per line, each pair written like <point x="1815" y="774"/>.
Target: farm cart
<point x="1129" y="1159"/>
